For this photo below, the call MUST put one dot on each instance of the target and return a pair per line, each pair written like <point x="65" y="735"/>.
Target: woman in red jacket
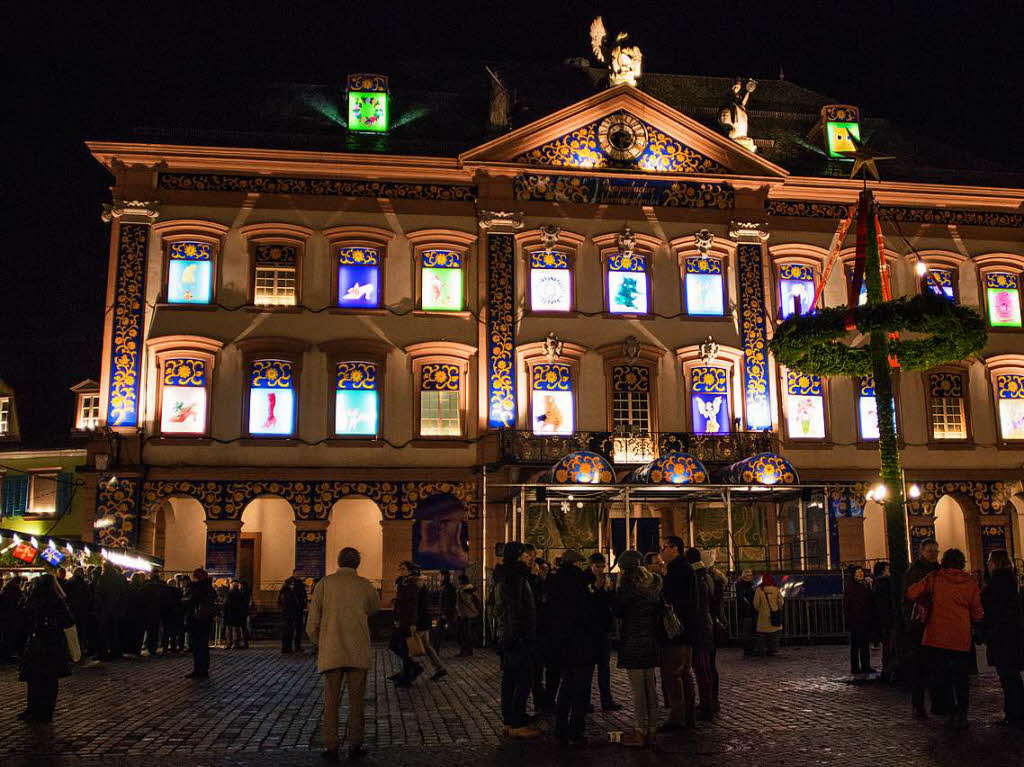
<point x="956" y="604"/>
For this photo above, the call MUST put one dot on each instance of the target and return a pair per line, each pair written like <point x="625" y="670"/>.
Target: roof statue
<point x="500" y="104"/>
<point x="624" y="60"/>
<point x="734" y="116"/>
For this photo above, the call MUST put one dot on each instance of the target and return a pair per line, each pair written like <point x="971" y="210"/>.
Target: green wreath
<point x="812" y="343"/>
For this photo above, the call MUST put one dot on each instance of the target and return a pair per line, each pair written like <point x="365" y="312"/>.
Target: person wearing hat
<point x="637" y="604"/>
<point x="575" y="627"/>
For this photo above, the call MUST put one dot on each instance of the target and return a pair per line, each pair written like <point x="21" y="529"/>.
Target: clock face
<point x="622" y="137"/>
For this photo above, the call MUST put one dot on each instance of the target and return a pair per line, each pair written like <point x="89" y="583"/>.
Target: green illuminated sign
<point x="442" y="290"/>
<point x="367" y="111"/>
<point x="842" y="137"/>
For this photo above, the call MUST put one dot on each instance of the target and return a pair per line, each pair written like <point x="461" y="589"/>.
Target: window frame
<point x="443" y="239"/>
<point x="648" y="357"/>
<point x="997" y="365"/>
<point x="729" y="358"/>
<point x="968" y="440"/>
<point x="567" y="243"/>
<point x="721" y="249"/>
<point x="532" y="354"/>
<point x="355" y="350"/>
<point x="802" y="254"/>
<point x="646" y="246"/>
<point x="1000" y="262"/>
<point x="287" y="349"/>
<point x="7" y="417"/>
<point x="289" y="235"/>
<point x="788" y="439"/>
<point x="49" y="472"/>
<point x="80" y="417"/>
<point x="943" y="261"/>
<point x="178" y="347"/>
<point x="190" y="230"/>
<point x="449" y="353"/>
<point x="358" y="237"/>
<point x="872" y="444"/>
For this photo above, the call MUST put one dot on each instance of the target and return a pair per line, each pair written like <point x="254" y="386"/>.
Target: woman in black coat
<point x="1003" y="633"/>
<point x="46" y="657"/>
<point x="638" y="605"/>
<point x="858" y="607"/>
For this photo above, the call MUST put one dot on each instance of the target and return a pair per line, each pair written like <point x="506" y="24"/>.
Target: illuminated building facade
<point x="309" y="343"/>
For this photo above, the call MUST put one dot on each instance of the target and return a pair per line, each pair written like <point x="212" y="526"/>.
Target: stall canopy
<point x="582" y="468"/>
<point x="672" y="469"/>
<point x="762" y="469"/>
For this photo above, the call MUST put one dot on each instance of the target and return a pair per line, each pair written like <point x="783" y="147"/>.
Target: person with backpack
<point x="768" y="604"/>
<point x="467" y="612"/>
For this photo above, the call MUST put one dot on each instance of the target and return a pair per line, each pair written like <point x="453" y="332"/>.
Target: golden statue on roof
<point x="623" y="59"/>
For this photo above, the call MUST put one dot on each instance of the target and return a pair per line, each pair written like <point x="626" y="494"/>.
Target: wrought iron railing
<point x="634" y="448"/>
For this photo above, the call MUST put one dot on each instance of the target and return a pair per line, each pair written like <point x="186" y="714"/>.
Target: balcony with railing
<point x="626" y="449"/>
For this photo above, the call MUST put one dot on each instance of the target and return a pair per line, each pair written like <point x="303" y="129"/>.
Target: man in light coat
<point x="337" y="625"/>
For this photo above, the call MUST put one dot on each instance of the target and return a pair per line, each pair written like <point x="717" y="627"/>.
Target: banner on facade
<point x="310" y="553"/>
<point x="440" y="534"/>
<point x="221" y="553"/>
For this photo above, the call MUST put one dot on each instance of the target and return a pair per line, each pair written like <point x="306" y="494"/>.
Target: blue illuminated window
<point x="550" y="281"/>
<point x="356" y="399"/>
<point x="709" y="399"/>
<point x="627" y="283"/>
<point x="704" y="286"/>
<point x="359" y="277"/>
<point x="190" y="273"/>
<point x="796" y="289"/>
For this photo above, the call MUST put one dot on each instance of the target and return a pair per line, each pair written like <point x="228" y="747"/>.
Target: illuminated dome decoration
<point x="673" y="469"/>
<point x="583" y="468"/>
<point x="763" y="469"/>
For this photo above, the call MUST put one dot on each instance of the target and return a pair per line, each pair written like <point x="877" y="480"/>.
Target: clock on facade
<point x="622" y="137"/>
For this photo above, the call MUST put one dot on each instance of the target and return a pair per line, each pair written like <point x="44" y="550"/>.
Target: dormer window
<point x="5" y="416"/>
<point x="89" y="411"/>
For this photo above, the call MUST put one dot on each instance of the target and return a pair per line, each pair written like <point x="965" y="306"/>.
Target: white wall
<point x="356" y="522"/>
<point x="951" y="527"/>
<point x="275" y="520"/>
<point x="185" y="526"/>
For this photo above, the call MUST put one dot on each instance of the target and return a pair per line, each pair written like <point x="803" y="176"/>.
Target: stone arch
<point x="957" y="525"/>
<point x="268" y="520"/>
<point x="357" y="521"/>
<point x="876" y="544"/>
<point x="1015" y="510"/>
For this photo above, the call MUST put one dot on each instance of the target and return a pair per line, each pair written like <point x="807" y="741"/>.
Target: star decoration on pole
<point x="865" y="160"/>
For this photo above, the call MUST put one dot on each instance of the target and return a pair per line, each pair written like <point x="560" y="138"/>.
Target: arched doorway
<point x="876" y="545"/>
<point x="266" y="554"/>
<point x="357" y="522"/>
<point x="951" y="527"/>
<point x="1016" y="510"/>
<point x="180" y="534"/>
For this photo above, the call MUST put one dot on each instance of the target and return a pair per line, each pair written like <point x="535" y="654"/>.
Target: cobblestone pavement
<point x="261" y="708"/>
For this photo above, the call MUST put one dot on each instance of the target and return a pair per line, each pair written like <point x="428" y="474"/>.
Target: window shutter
<point x="15" y="495"/>
<point x="65" y="488"/>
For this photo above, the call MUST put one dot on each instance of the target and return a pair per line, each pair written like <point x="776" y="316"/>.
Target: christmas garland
<point x="811" y="343"/>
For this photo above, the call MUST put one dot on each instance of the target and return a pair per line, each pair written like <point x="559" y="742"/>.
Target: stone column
<point x="753" y="323"/>
<point x="222" y="537"/>
<point x="311" y="549"/>
<point x="501" y="301"/>
<point x="124" y="326"/>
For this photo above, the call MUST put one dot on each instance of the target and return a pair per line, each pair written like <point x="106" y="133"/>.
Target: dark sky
<point x="81" y="70"/>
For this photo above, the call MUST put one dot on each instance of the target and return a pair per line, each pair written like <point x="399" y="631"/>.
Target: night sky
<point x="86" y="70"/>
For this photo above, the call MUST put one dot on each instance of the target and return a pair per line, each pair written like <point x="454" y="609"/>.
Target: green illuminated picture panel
<point x="842" y="137"/>
<point x="1004" y="307"/>
<point x="442" y="289"/>
<point x="367" y="111"/>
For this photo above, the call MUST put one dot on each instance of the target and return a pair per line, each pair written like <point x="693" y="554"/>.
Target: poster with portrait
<point x="440" y="533"/>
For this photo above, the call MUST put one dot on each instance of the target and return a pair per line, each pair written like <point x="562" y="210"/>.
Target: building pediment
<point x="622" y="130"/>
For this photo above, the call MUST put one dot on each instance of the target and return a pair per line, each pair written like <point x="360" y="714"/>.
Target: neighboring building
<point x="313" y="329"/>
<point x="41" y="492"/>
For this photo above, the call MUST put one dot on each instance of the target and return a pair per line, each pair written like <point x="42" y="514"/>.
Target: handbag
<point x="774" y="616"/>
<point x="922" y="609"/>
<point x="74" y="648"/>
<point x="671" y="626"/>
<point x="414" y="643"/>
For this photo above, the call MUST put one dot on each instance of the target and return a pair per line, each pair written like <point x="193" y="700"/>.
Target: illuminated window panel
<point x="705" y="294"/>
<point x="842" y="137"/>
<point x="367" y="111"/>
<point x="805" y="406"/>
<point x="442" y="281"/>
<point x="551" y="399"/>
<point x="947" y="406"/>
<point x="1010" y="396"/>
<point x="89" y="412"/>
<point x="862" y="297"/>
<point x="356" y="403"/>
<point x="43" y="494"/>
<point x="796" y="289"/>
<point x="358" y="278"/>
<point x="709" y="399"/>
<point x="627" y="284"/>
<point x="184" y="397"/>
<point x="272" y="398"/>
<point x="550" y="282"/>
<point x="440" y="412"/>
<point x="5" y="415"/>
<point x="275" y="275"/>
<point x="940" y="282"/>
<point x="1002" y="291"/>
<point x="631" y="414"/>
<point x="190" y="273"/>
<point x="867" y="408"/>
